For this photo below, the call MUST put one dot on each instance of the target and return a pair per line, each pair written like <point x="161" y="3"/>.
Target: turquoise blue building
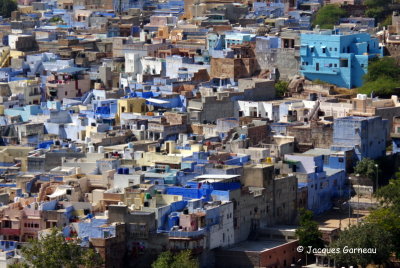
<point x="335" y="58"/>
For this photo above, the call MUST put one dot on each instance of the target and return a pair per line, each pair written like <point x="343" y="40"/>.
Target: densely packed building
<point x="145" y="126"/>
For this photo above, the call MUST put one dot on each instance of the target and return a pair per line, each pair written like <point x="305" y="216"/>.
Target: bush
<point x="328" y="16"/>
<point x="281" y="88"/>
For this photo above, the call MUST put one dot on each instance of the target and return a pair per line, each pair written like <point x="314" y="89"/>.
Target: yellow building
<point x="11" y="154"/>
<point x="133" y="105"/>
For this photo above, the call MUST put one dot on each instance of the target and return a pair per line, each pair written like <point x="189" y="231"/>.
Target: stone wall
<point x="286" y="60"/>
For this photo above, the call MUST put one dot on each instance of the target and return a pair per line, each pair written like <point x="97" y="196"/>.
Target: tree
<point x="328" y="16"/>
<point x="388" y="214"/>
<point x="308" y="232"/>
<point x="53" y="250"/>
<point x="389" y="195"/>
<point x="382" y="78"/>
<point x="377" y="9"/>
<point x="382" y="67"/>
<point x="389" y="220"/>
<point x="362" y="236"/>
<point x="281" y="88"/>
<point x="383" y="87"/>
<point x="56" y="19"/>
<point x="6" y="7"/>
<point x="168" y="259"/>
<point x="366" y="167"/>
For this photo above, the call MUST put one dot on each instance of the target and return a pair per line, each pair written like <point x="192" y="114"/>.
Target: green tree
<point x="382" y="78"/>
<point x="6" y="7"/>
<point x="383" y="87"/>
<point x="308" y="232"/>
<point x="168" y="259"/>
<point x="54" y="251"/>
<point x="281" y="88"/>
<point x="56" y="19"/>
<point x="377" y="9"/>
<point x="366" y="167"/>
<point x="389" y="195"/>
<point x="388" y="214"/>
<point x="389" y="220"/>
<point x="328" y="16"/>
<point x="364" y="236"/>
<point x="382" y="67"/>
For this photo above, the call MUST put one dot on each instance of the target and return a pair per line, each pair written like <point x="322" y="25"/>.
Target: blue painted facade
<point x="323" y="184"/>
<point x="366" y="135"/>
<point x="25" y="112"/>
<point x="337" y="59"/>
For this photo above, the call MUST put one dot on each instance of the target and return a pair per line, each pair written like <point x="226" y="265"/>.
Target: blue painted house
<point x="337" y="58"/>
<point x="366" y="135"/>
<point x="323" y="184"/>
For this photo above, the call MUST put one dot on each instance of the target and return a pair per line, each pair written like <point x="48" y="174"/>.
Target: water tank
<point x="126" y="171"/>
<point x="130" y="145"/>
<point x="361" y="96"/>
<point x="100" y="150"/>
<point x="142" y="127"/>
<point x="91" y="149"/>
<point x="242" y="136"/>
<point x="120" y="171"/>
<point x="147" y="196"/>
<point x="87" y="140"/>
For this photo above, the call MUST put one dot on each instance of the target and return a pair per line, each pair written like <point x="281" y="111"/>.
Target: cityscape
<point x="199" y="133"/>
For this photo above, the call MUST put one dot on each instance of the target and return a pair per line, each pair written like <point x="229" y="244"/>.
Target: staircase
<point x="5" y="58"/>
<point x="312" y="115"/>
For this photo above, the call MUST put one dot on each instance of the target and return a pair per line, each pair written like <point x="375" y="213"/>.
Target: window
<point x="362" y="65"/>
<point x="344" y="63"/>
<point x="341" y="160"/>
<point x="66" y="93"/>
<point x="330" y="49"/>
<point x="335" y="48"/>
<point x="312" y="49"/>
<point x="324" y="50"/>
<point x="335" y="65"/>
<point x="6" y="224"/>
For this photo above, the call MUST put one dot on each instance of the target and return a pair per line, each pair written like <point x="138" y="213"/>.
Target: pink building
<point x="71" y="82"/>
